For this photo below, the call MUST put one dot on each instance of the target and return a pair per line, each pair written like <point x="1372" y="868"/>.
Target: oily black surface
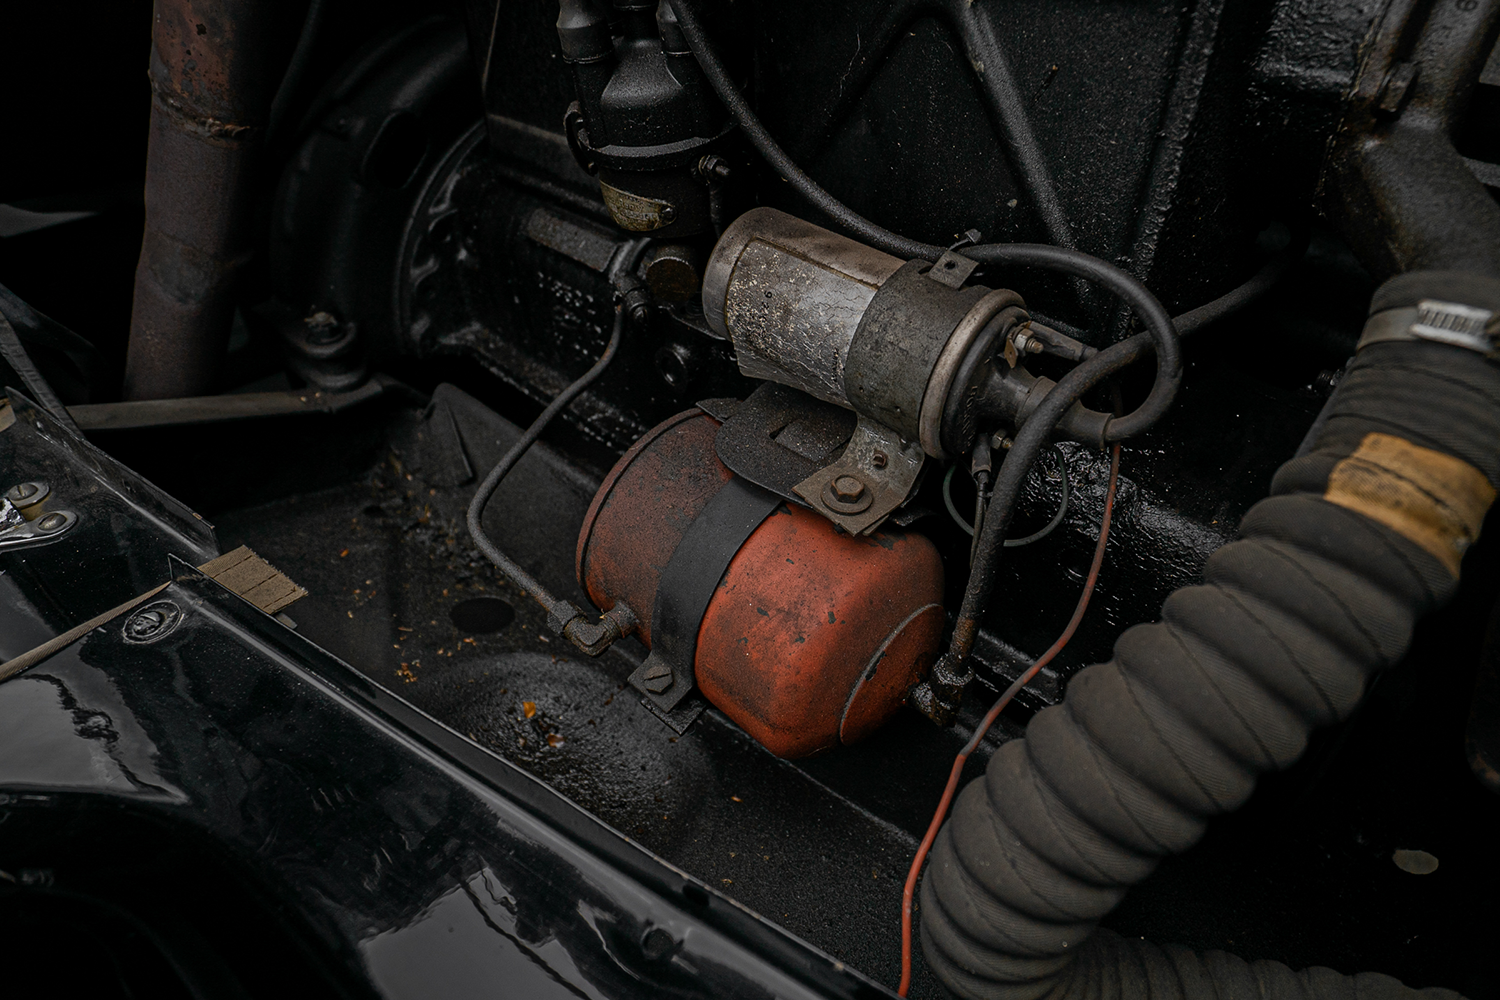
<point x="821" y="846"/>
<point x="1292" y="624"/>
<point x="387" y="563"/>
<point x="273" y="824"/>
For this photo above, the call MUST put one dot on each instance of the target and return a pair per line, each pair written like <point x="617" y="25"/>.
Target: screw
<point x="52" y="522"/>
<point x="668" y="215"/>
<point x="658" y="678"/>
<point x="878" y="460"/>
<point x="21" y="492"/>
<point x="848" y="488"/>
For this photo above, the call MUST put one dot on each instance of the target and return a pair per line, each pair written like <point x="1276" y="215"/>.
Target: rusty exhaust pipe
<point x="212" y="88"/>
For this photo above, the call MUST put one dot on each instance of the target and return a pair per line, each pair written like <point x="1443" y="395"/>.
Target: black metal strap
<point x="688" y="583"/>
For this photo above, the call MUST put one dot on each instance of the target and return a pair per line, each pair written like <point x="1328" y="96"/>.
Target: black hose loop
<point x="1061" y="260"/>
<point x="1320" y="592"/>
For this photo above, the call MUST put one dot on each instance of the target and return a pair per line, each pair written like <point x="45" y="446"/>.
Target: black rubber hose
<point x="1061" y="260"/>
<point x="1361" y="536"/>
<point x="1240" y="296"/>
<point x="1029" y="441"/>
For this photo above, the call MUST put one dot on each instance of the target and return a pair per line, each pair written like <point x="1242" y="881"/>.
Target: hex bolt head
<point x="848" y="488"/>
<point x="22" y="492"/>
<point x="51" y="522"/>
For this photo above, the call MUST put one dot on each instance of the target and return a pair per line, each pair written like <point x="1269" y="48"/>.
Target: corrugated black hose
<point x="1362" y="534"/>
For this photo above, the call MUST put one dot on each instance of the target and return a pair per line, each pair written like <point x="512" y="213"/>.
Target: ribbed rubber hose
<point x="1291" y="622"/>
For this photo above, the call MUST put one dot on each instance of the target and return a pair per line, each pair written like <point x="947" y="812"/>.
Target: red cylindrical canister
<point x="813" y="637"/>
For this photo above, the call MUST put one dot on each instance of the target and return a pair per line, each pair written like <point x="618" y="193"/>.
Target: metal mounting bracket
<point x="43" y="529"/>
<point x="876" y="474"/>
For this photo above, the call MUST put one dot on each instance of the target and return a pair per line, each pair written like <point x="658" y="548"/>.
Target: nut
<point x="848" y="488"/>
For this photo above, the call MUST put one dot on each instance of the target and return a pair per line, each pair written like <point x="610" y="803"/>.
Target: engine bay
<point x="539" y="498"/>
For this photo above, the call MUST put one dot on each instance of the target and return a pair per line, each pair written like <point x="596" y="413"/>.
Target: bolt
<point x="878" y="460"/>
<point x="1034" y="346"/>
<point x="22" y="492"/>
<point x="848" y="488"/>
<point x="658" y="678"/>
<point x="323" y="328"/>
<point x="1025" y="343"/>
<point x="668" y="215"/>
<point x="52" y="522"/>
<point x="714" y="166"/>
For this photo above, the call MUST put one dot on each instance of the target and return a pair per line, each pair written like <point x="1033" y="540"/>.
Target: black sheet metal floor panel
<point x="821" y="846"/>
<point x="388" y="566"/>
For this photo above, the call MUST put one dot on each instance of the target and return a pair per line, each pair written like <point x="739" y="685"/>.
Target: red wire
<point x="993" y="714"/>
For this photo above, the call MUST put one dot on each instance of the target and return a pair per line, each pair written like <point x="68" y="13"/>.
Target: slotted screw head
<point x="657" y="678"/>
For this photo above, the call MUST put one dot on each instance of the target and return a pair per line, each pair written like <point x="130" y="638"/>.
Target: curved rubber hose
<point x="1319" y="593"/>
<point x="1060" y="260"/>
<point x="1239" y="297"/>
<point x="1036" y="536"/>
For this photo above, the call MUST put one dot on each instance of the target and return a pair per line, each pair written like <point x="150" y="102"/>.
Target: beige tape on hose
<point x="1435" y="500"/>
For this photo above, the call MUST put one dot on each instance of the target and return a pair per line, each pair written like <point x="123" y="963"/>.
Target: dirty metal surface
<point x="820" y="846"/>
<point x="393" y="583"/>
